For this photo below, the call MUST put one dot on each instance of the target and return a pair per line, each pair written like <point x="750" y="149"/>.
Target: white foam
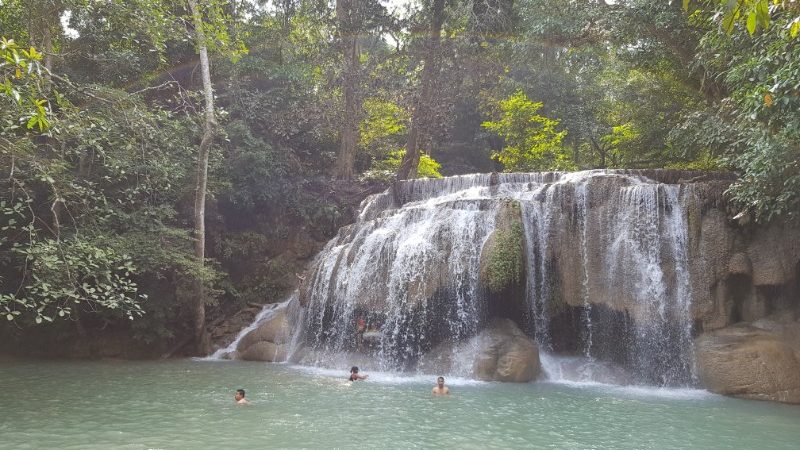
<point x="638" y="391"/>
<point x="584" y="373"/>
<point x="389" y="378"/>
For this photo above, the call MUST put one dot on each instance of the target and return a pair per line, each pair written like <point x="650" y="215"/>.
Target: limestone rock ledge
<point x="755" y="361"/>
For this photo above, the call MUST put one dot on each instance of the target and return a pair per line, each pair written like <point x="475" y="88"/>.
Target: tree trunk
<point x="421" y="114"/>
<point x="347" y="14"/>
<point x="602" y="151"/>
<point x="209" y="129"/>
<point x="44" y="17"/>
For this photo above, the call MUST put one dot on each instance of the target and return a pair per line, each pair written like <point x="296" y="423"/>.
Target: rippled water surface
<point x="189" y="404"/>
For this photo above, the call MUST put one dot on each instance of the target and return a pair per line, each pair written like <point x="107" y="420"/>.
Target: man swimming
<point x="354" y="376"/>
<point x="239" y="397"/>
<point x="440" y="388"/>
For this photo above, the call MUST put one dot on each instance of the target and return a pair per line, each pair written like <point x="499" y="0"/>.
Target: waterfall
<point x="583" y="214"/>
<point x="651" y="236"/>
<point x="267" y="313"/>
<point x="606" y="277"/>
<point x="410" y="273"/>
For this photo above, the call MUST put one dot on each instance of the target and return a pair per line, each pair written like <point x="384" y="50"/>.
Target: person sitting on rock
<point x="440" y="388"/>
<point x="354" y="376"/>
<point x="239" y="397"/>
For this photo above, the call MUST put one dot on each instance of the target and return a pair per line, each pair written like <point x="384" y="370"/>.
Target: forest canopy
<point x="111" y="126"/>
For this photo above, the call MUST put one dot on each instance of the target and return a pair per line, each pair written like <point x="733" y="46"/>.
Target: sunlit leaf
<point x="751" y="22"/>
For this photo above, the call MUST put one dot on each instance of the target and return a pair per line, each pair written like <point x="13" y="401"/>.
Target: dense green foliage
<point x="756" y="127"/>
<point x="101" y="117"/>
<point x="531" y="142"/>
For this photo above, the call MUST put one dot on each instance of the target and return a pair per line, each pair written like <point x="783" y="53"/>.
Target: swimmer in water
<point x="239" y="397"/>
<point x="440" y="388"/>
<point x="354" y="376"/>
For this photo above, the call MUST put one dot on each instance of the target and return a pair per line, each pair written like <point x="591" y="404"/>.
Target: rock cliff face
<point x="743" y="273"/>
<point x="758" y="361"/>
<point x="644" y="269"/>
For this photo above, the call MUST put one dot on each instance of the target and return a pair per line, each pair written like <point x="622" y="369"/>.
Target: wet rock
<point x="224" y="333"/>
<point x="275" y="330"/>
<point x="741" y="273"/>
<point x="740" y="264"/>
<point x="264" y="351"/>
<point x="775" y="252"/>
<point x="503" y="255"/>
<point x="506" y="354"/>
<point x="749" y="362"/>
<point x="785" y="325"/>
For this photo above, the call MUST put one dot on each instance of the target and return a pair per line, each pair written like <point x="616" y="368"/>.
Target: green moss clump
<point x="507" y="259"/>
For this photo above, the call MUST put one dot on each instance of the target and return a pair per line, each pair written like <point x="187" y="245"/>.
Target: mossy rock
<point x="503" y="255"/>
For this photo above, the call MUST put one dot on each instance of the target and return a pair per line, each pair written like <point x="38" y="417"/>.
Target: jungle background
<point x="148" y="191"/>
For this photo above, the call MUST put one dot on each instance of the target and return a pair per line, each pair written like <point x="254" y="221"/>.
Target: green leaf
<point x="32" y="122"/>
<point x="794" y="29"/>
<point x="751" y="22"/>
<point x="762" y="13"/>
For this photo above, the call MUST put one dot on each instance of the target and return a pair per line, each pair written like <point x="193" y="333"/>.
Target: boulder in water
<point x="506" y="354"/>
<point x="264" y="351"/>
<point x="749" y="362"/>
<point x="275" y="330"/>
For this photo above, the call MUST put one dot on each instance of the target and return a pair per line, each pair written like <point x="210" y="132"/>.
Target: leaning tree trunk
<point x="422" y="108"/>
<point x="347" y="14"/>
<point x="209" y="130"/>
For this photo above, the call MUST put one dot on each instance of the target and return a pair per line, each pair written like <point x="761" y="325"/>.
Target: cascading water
<point x="267" y="313"/>
<point x="411" y="273"/>
<point x="628" y="237"/>
<point x="651" y="237"/>
<point x="606" y="276"/>
<point x="583" y="210"/>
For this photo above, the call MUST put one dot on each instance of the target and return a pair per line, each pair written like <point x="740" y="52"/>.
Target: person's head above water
<point x="440" y="388"/>
<point x="354" y="375"/>
<point x="239" y="396"/>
